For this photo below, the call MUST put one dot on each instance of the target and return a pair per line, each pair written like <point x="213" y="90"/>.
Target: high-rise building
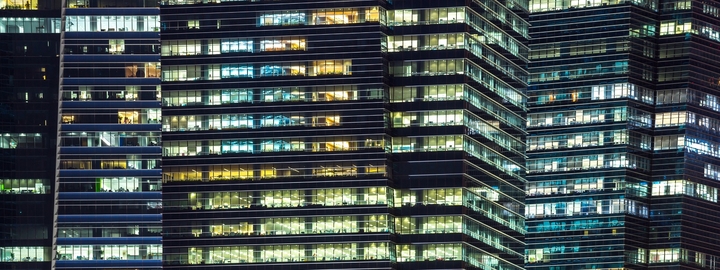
<point x="343" y="134"/>
<point x="622" y="145"/>
<point x="108" y="200"/>
<point x="29" y="43"/>
<point x="686" y="145"/>
<point x="359" y="134"/>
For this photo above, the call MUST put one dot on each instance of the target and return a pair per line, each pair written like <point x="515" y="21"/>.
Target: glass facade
<point x="360" y="134"/>
<point x="20" y="6"/>
<point x="590" y="99"/>
<point x="108" y="182"/>
<point x="29" y="25"/>
<point x="484" y="134"/>
<point x="620" y="93"/>
<point x="29" y="45"/>
<point x="686" y="137"/>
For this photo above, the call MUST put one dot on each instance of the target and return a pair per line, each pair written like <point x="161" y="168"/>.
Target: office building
<point x="108" y="200"/>
<point x="684" y="195"/>
<point x="359" y="134"/>
<point x="621" y="166"/>
<point x="29" y="43"/>
<point x="343" y="134"/>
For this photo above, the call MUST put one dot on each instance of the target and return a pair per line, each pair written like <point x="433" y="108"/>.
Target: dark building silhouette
<point x="29" y="43"/>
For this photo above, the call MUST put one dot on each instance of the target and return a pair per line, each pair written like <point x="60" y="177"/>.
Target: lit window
<point x="117" y="46"/>
<point x="128" y="117"/>
<point x="285" y="44"/>
<point x="284" y="18"/>
<point x="332" y="67"/>
<point x="19" y="4"/>
<point x="193" y="24"/>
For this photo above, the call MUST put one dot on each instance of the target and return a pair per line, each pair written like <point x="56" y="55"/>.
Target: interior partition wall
<point x="108" y="196"/>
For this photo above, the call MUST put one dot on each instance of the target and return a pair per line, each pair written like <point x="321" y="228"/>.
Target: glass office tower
<point x="686" y="144"/>
<point x="29" y="44"/>
<point x="590" y="139"/>
<point x="108" y="199"/>
<point x="343" y="134"/>
<point x="621" y="166"/>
